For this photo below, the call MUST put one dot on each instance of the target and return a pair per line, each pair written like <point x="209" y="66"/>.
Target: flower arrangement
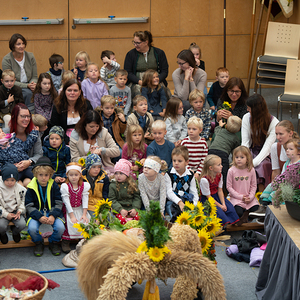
<point x="155" y="232"/>
<point x="203" y="218"/>
<point x="226" y="105"/>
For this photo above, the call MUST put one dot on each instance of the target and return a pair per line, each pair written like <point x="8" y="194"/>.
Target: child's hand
<point x="10" y="216"/>
<point x="36" y="128"/>
<point x="162" y="114"/>
<point x="132" y="212"/>
<point x="124" y="213"/>
<point x="121" y="116"/>
<point x="177" y="143"/>
<point x="213" y="108"/>
<point x="59" y="179"/>
<point x="43" y="220"/>
<point x="84" y="219"/>
<point x="197" y="176"/>
<point x="221" y="123"/>
<point x="147" y="134"/>
<point x="17" y="215"/>
<point x="197" y="62"/>
<point x="247" y="200"/>
<point x="10" y="98"/>
<point x="106" y="60"/>
<point x="135" y="168"/>
<point x="181" y="205"/>
<point x="73" y="219"/>
<point x="224" y="207"/>
<point x="75" y="71"/>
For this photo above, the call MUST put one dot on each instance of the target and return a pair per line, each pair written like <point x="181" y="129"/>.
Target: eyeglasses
<point x="234" y="92"/>
<point x="136" y="43"/>
<point x="25" y="116"/>
<point x="181" y="64"/>
<point x="60" y="63"/>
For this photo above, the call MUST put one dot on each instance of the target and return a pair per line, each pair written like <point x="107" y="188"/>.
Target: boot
<point x="243" y="218"/>
<point x="65" y="246"/>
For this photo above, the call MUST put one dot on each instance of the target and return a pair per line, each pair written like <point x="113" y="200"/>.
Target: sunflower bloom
<point x="82" y="161"/>
<point x="142" y="247"/>
<point x="198" y="220"/>
<point x="200" y="207"/>
<point x="101" y="205"/>
<point x="78" y="227"/>
<point x="190" y="205"/>
<point x="184" y="218"/>
<point x="213" y="207"/>
<point x="156" y="254"/>
<point x="165" y="249"/>
<point x="213" y="226"/>
<point x="102" y="226"/>
<point x="205" y="240"/>
<point x="85" y="235"/>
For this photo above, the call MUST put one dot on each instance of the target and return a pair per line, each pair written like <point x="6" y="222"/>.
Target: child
<point x="155" y="94"/>
<point x="175" y="121"/>
<point x="196" y="145"/>
<point x="141" y="117"/>
<point x="93" y="87"/>
<point x="113" y="119"/>
<point x="66" y="75"/>
<point x="135" y="148"/>
<point x="211" y="183"/>
<point x="197" y="100"/>
<point x="225" y="141"/>
<point x="43" y="206"/>
<point x="4" y="139"/>
<point x="121" y="92"/>
<point x="44" y="95"/>
<point x="75" y="195"/>
<point x="41" y="123"/>
<point x="197" y="54"/>
<point x="241" y="184"/>
<point x="10" y="95"/>
<point x="215" y="91"/>
<point x="180" y="183"/>
<point x="56" y="62"/>
<point x="124" y="193"/>
<point x="98" y="180"/>
<point x="12" y="203"/>
<point x="161" y="147"/>
<point x="81" y="61"/>
<point x="152" y="184"/>
<point x="57" y="151"/>
<point x="292" y="149"/>
<point x="110" y="67"/>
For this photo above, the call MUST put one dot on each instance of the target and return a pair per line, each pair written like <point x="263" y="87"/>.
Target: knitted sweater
<point x="176" y="130"/>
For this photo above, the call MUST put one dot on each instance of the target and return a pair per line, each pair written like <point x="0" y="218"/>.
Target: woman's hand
<point x="188" y="73"/>
<point x="22" y="165"/>
<point x="223" y="113"/>
<point x="95" y="150"/>
<point x="31" y="86"/>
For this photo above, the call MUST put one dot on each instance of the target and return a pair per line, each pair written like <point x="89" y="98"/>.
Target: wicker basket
<point x="22" y="275"/>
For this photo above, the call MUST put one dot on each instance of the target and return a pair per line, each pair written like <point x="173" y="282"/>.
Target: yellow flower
<point x="138" y="163"/>
<point x="213" y="207"/>
<point x="85" y="235"/>
<point x="142" y="247"/>
<point x="82" y="161"/>
<point x="226" y="105"/>
<point x="184" y="218"/>
<point x="205" y="240"/>
<point x="165" y="249"/>
<point x="101" y="226"/>
<point x="213" y="226"/>
<point x="100" y="203"/>
<point x="257" y="195"/>
<point x="198" y="219"/>
<point x="190" y="205"/>
<point x="78" y="227"/>
<point x="200" y="207"/>
<point x="156" y="254"/>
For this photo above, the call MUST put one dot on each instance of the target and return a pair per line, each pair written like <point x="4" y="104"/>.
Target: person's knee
<point x="26" y="181"/>
<point x="3" y="226"/>
<point x="58" y="226"/>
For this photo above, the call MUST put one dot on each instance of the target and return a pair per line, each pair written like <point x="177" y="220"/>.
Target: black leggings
<point x="239" y="210"/>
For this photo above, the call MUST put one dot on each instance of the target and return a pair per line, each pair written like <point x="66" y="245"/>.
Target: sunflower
<point x="213" y="207"/>
<point x="226" y="105"/>
<point x="142" y="247"/>
<point x="205" y="240"/>
<point x="85" y="235"/>
<point x="213" y="226"/>
<point x="156" y="254"/>
<point x="165" y="249"/>
<point x="200" y="207"/>
<point x="184" y="218"/>
<point x="190" y="205"/>
<point x="198" y="220"/>
<point x="101" y="205"/>
<point x="82" y="161"/>
<point x="78" y="227"/>
<point x="102" y="226"/>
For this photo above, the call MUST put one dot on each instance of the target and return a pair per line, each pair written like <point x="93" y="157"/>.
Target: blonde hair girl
<point x="81" y="61"/>
<point x="198" y="55"/>
<point x="211" y="185"/>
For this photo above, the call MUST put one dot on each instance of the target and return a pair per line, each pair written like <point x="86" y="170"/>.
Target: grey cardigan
<point x="30" y="67"/>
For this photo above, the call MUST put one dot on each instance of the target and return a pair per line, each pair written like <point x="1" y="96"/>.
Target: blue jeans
<point x="168" y="208"/>
<point x="58" y="230"/>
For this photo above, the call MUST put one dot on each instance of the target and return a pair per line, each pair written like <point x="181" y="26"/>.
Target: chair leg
<point x="291" y="110"/>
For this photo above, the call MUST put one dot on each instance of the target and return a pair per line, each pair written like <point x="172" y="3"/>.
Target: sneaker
<point x="65" y="246"/>
<point x="55" y="248"/>
<point x="260" y="221"/>
<point x="4" y="238"/>
<point x="261" y="212"/>
<point x="38" y="249"/>
<point x="16" y="237"/>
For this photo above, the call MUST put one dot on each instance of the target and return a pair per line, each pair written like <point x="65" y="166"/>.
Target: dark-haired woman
<point x="23" y="64"/>
<point x="258" y="134"/>
<point x="90" y="136"/>
<point x="69" y="106"/>
<point x="187" y="77"/>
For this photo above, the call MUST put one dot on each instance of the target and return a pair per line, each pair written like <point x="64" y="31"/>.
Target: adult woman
<point x="90" y="136"/>
<point x="69" y="106"/>
<point x="187" y="77"/>
<point x="258" y="134"/>
<point x="234" y="93"/>
<point x="143" y="57"/>
<point x="21" y="123"/>
<point x="23" y="64"/>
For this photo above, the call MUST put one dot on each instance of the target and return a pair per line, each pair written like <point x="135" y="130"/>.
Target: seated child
<point x="57" y="151"/>
<point x="12" y="203"/>
<point x="81" y="61"/>
<point x="161" y="147"/>
<point x="124" y="193"/>
<point x="225" y="141"/>
<point x="180" y="183"/>
<point x="75" y="195"/>
<point x="98" y="180"/>
<point x="56" y="62"/>
<point x="141" y="117"/>
<point x="66" y="75"/>
<point x="44" y="206"/>
<point x="152" y="184"/>
<point x="211" y="185"/>
<point x="196" y="145"/>
<point x="4" y="138"/>
<point x="215" y="91"/>
<point x="41" y="123"/>
<point x="121" y="92"/>
<point x="197" y="100"/>
<point x="10" y="95"/>
<point x="108" y="71"/>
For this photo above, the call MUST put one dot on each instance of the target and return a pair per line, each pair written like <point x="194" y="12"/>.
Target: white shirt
<point x="23" y="77"/>
<point x="274" y="156"/>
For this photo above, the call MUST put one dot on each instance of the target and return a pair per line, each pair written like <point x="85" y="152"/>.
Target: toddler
<point x="197" y="100"/>
<point x="56" y="62"/>
<point x="175" y="121"/>
<point x="196" y="145"/>
<point x="241" y="184"/>
<point x="197" y="54"/>
<point x="93" y="87"/>
<point x="121" y="92"/>
<point x="44" y="95"/>
<point x="43" y="206"/>
<point x="292" y="149"/>
<point x="81" y="61"/>
<point x="41" y="123"/>
<point x="109" y="68"/>
<point x="57" y="151"/>
<point x="75" y="195"/>
<point x="154" y="93"/>
<point x="66" y="75"/>
<point x="10" y="95"/>
<point x="124" y="193"/>
<point x="12" y="204"/>
<point x="98" y="180"/>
